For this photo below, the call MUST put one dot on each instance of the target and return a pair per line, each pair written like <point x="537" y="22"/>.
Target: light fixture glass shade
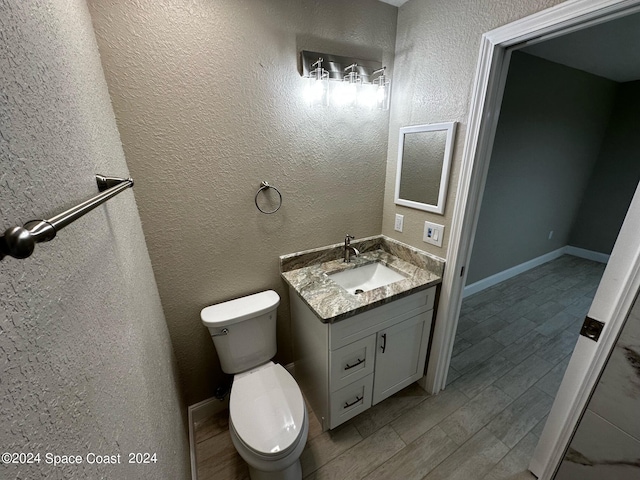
<point x="367" y="96"/>
<point x="383" y="92"/>
<point x="316" y="90"/>
<point x="344" y="94"/>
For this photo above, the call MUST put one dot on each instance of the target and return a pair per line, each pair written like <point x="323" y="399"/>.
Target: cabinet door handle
<point x="357" y="400"/>
<point x="348" y="367"/>
<point x="384" y="342"/>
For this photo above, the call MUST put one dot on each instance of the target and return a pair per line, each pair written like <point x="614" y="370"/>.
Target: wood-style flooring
<point x="512" y="346"/>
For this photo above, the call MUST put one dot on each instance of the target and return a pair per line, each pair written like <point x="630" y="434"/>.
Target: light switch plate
<point x="399" y="222"/>
<point x="433" y="233"/>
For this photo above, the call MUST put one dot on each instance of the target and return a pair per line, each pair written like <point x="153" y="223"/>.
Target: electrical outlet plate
<point x="399" y="223"/>
<point x="433" y="233"/>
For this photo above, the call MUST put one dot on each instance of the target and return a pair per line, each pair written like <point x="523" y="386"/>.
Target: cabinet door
<point x="400" y="355"/>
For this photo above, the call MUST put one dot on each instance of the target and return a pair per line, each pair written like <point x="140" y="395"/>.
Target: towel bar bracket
<point x="104" y="183"/>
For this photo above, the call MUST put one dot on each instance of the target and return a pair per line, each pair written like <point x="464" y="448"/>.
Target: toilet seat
<point x="267" y="411"/>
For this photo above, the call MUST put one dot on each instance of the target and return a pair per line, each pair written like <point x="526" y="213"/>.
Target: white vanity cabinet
<point x="346" y="367"/>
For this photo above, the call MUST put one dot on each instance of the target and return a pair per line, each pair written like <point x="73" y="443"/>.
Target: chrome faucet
<point x="348" y="249"/>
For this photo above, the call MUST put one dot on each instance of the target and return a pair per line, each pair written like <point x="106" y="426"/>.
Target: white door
<point x="611" y="304"/>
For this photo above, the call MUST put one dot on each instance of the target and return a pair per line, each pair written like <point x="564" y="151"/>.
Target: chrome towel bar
<point x="19" y="242"/>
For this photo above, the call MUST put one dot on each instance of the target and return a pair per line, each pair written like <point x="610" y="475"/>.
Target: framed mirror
<point x="424" y="158"/>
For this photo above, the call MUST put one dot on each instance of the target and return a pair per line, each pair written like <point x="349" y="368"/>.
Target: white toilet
<point x="268" y="419"/>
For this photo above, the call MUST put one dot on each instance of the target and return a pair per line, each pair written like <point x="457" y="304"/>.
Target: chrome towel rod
<point x="19" y="242"/>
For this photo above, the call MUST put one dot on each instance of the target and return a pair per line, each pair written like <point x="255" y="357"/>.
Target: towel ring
<point x="266" y="186"/>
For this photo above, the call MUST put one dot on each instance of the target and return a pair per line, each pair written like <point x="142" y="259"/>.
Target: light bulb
<point x="315" y="92"/>
<point x="317" y="88"/>
<point x="344" y="94"/>
<point x="367" y="96"/>
<point x="383" y="90"/>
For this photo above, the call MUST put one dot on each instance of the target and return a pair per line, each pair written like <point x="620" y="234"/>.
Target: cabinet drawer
<point x="351" y="363"/>
<point x="351" y="400"/>
<point x="364" y="324"/>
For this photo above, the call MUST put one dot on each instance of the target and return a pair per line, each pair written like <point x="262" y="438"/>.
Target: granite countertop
<point x="307" y="273"/>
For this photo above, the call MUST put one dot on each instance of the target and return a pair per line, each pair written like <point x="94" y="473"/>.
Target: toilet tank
<point x="250" y="324"/>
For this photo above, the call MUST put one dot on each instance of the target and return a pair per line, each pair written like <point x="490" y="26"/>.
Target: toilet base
<point x="293" y="472"/>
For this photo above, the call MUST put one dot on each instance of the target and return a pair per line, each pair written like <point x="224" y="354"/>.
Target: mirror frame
<point x="450" y="128"/>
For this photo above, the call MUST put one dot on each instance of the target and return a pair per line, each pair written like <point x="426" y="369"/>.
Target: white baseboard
<point x="197" y="412"/>
<point x="291" y="368"/>
<point x="511" y="272"/>
<point x="588" y="254"/>
<point x="523" y="267"/>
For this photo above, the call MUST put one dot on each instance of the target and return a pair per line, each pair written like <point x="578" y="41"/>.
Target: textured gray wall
<point x="614" y="178"/>
<point x="208" y="100"/>
<point x="87" y="363"/>
<point x="436" y="56"/>
<point x="552" y="123"/>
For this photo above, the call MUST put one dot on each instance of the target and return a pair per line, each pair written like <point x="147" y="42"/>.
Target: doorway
<point x="562" y="134"/>
<point x="614" y="302"/>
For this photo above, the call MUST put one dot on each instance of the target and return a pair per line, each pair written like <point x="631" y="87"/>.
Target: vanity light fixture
<point x="357" y="83"/>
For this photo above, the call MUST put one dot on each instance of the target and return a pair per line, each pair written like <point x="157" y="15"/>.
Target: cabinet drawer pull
<point x="384" y="342"/>
<point x="357" y="400"/>
<point x="348" y="367"/>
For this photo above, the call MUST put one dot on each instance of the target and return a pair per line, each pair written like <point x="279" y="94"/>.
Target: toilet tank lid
<point x="233" y="311"/>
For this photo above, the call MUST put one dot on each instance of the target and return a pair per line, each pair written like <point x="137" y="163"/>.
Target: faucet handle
<point x="348" y="238"/>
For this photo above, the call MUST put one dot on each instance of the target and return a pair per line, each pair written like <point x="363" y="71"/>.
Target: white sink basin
<point x="365" y="278"/>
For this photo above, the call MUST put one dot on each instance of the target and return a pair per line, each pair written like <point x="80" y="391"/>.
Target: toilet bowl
<point x="268" y="420"/>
